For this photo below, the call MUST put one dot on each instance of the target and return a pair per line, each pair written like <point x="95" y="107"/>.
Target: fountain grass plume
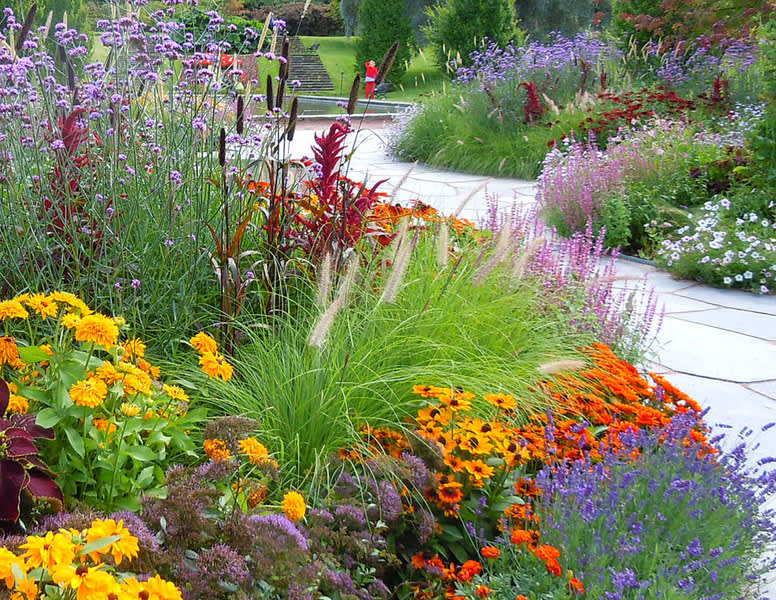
<point x="324" y="323"/>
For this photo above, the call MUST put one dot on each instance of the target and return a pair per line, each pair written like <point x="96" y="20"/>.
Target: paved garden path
<point x="718" y="346"/>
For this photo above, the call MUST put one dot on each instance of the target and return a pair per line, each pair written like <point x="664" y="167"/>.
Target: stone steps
<point x="306" y="66"/>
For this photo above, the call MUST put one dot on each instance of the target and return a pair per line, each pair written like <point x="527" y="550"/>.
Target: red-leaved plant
<point x="335" y="209"/>
<point x="22" y="473"/>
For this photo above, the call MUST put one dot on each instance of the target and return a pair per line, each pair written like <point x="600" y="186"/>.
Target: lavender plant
<point x="671" y="517"/>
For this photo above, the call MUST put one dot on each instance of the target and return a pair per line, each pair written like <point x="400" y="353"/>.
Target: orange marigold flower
<point x="18" y="404"/>
<point x="254" y="450"/>
<point x="202" y="343"/>
<point x="216" y="450"/>
<point x="257" y="496"/>
<point x="104" y="425"/>
<point x="576" y="585"/>
<point x="553" y="567"/>
<point x="483" y="591"/>
<point x="134" y="348"/>
<point x="469" y="569"/>
<point x="90" y="392"/>
<point x="98" y="329"/>
<point x="521" y="536"/>
<point x="547" y="552"/>
<point x="108" y="373"/>
<point x="294" y="506"/>
<point x="215" y="365"/>
<point x="521" y="597"/>
<point x="490" y="552"/>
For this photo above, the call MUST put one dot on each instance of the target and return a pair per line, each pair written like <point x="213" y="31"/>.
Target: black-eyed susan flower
<point x="43" y="305"/>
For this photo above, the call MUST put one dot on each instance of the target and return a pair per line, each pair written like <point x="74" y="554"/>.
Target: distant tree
<point x="541" y="17"/>
<point x="418" y="12"/>
<point x="77" y="13"/>
<point x="349" y="10"/>
<point x="458" y="27"/>
<point x="382" y="23"/>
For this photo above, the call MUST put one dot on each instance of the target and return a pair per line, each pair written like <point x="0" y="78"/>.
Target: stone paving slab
<point x="710" y="352"/>
<point x="733" y="299"/>
<point x="766" y="388"/>
<point x="757" y="325"/>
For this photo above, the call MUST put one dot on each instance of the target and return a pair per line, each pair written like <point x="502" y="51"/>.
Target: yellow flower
<point x="130" y="409"/>
<point x="43" y="305"/>
<point x="49" y="550"/>
<point x="90" y="583"/>
<point x="134" y="348"/>
<point x="90" y="392"/>
<point x="8" y="558"/>
<point x="215" y="365"/>
<point x="9" y="353"/>
<point x="135" y="383"/>
<point x="70" y="320"/>
<point x="127" y="546"/>
<point x="12" y="309"/>
<point x="26" y="589"/>
<point x="159" y="589"/>
<point x="254" y="450"/>
<point x="71" y="299"/>
<point x="216" y="450"/>
<point x="104" y="425"/>
<point x="108" y="373"/>
<point x="175" y="393"/>
<point x="202" y="343"/>
<point x="18" y="404"/>
<point x="98" y="329"/>
<point x="294" y="506"/>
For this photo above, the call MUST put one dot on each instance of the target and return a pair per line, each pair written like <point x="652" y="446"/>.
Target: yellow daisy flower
<point x="98" y="329"/>
<point x="90" y="392"/>
<point x="294" y="506"/>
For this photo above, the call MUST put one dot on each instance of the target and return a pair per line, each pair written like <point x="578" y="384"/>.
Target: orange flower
<point x="43" y="305"/>
<point x="478" y="470"/>
<point x="502" y="401"/>
<point x="468" y="570"/>
<point x="490" y="552"/>
<point x="483" y="591"/>
<point x="98" y="329"/>
<point x="521" y="536"/>
<point x="216" y="450"/>
<point x="576" y="585"/>
<point x="202" y="343"/>
<point x="215" y="365"/>
<point x="90" y="392"/>
<point x="9" y="353"/>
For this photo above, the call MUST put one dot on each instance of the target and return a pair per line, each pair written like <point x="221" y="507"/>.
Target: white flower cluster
<point x="745" y="257"/>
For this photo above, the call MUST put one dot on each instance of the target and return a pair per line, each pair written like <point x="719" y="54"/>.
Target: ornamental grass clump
<point x="665" y="517"/>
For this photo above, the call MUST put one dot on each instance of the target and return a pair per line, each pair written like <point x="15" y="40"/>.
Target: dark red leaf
<point x="40" y="485"/>
<point x="12" y="480"/>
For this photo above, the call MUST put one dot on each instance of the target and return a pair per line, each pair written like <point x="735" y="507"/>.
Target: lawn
<point x="339" y="57"/>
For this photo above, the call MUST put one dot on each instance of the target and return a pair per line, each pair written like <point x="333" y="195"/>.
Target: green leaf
<point x="141" y="453"/>
<point x="48" y="417"/>
<point x="76" y="441"/>
<point x="145" y="477"/>
<point x="33" y="354"/>
<point x="98" y="545"/>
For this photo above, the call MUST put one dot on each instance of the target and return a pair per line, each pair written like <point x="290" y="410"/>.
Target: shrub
<point x="458" y="27"/>
<point x="383" y="22"/>
<point x="317" y="20"/>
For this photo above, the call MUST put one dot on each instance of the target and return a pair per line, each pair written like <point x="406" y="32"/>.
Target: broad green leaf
<point x="33" y="354"/>
<point x="48" y="417"/>
<point x="98" y="545"/>
<point x="76" y="441"/>
<point x="141" y="453"/>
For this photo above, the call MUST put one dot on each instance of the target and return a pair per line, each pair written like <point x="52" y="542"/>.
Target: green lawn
<point x="339" y="57"/>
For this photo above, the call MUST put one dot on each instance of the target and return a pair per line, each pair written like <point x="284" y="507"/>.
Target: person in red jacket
<point x="371" y="75"/>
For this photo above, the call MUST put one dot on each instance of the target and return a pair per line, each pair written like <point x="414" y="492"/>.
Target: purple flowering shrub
<point x="560" y="68"/>
<point x="576" y="276"/>
<point x="675" y="519"/>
